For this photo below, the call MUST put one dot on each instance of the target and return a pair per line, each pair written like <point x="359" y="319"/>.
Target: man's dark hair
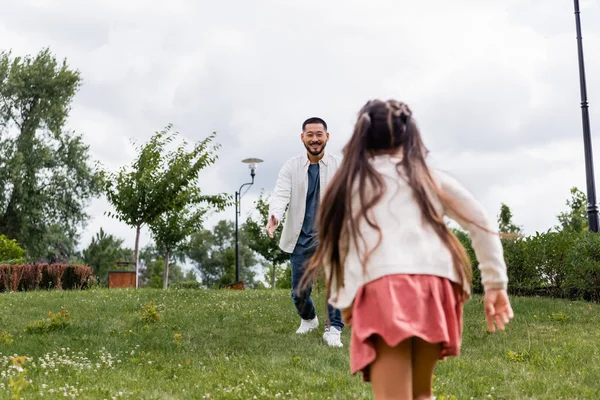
<point x="314" y="120"/>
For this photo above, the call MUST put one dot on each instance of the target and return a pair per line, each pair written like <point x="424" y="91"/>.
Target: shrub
<point x="524" y="257"/>
<point x="188" y="285"/>
<point x="150" y="312"/>
<point x="556" y="264"/>
<point x="544" y="263"/>
<point x="464" y="238"/>
<point x="44" y="276"/>
<point x="10" y="251"/>
<point x="6" y="338"/>
<point x="54" y="322"/>
<point x="31" y="278"/>
<point x="76" y="276"/>
<point x="582" y="268"/>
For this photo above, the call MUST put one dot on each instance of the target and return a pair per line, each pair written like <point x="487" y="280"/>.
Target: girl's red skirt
<point x="399" y="307"/>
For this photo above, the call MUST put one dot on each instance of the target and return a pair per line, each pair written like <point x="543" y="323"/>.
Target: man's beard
<point x="315" y="153"/>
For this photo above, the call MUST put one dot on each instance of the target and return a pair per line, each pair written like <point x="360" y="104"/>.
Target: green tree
<point x="155" y="182"/>
<point x="261" y="243"/>
<point x="153" y="267"/>
<point x="575" y="219"/>
<point x="104" y="252"/>
<point x="213" y="255"/>
<point x="45" y="175"/>
<point x="190" y="276"/>
<point x="57" y="246"/>
<point x="172" y="229"/>
<point x="283" y="275"/>
<point x="505" y="222"/>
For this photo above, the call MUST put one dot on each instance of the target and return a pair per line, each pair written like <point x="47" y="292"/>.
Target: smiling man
<point x="300" y="185"/>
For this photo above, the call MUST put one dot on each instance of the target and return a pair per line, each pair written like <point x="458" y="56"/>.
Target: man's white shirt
<point x="291" y="189"/>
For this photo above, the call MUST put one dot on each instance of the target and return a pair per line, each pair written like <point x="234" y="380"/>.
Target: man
<point x="300" y="184"/>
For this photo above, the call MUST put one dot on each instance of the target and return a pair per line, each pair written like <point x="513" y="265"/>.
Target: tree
<point x="45" y="175"/>
<point x="57" y="246"/>
<point x="575" y="219"/>
<point x="171" y="229"/>
<point x="283" y="275"/>
<point x="153" y="267"/>
<point x="104" y="252"/>
<point x="213" y="254"/>
<point x="190" y="276"/>
<point x="261" y="243"/>
<point x="155" y="182"/>
<point x="505" y="222"/>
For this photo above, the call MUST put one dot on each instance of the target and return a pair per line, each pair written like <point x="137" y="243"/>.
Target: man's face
<point x="315" y="138"/>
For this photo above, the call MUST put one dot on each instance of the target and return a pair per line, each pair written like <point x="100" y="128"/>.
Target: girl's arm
<point x="460" y="205"/>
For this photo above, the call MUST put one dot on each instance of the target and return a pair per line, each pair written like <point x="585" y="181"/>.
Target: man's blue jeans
<point x="302" y="299"/>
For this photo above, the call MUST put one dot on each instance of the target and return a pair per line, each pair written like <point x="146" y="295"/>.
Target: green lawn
<point x="241" y="345"/>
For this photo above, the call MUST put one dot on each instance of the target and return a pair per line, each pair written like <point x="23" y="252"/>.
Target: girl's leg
<point x="391" y="375"/>
<point x="424" y="358"/>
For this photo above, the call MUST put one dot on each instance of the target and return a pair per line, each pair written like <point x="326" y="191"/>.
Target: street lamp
<point x="252" y="162"/>
<point x="592" y="208"/>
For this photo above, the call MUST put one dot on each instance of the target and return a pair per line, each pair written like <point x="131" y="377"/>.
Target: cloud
<point x="494" y="85"/>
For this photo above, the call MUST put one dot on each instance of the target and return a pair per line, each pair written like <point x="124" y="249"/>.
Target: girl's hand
<point x="347" y="316"/>
<point x="497" y="309"/>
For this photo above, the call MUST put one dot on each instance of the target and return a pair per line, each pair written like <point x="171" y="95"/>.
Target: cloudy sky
<point x="494" y="84"/>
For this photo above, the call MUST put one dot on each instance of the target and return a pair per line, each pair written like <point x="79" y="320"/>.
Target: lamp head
<point x="252" y="163"/>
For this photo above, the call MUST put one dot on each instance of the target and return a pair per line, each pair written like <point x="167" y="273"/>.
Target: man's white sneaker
<point x="308" y="325"/>
<point x="333" y="337"/>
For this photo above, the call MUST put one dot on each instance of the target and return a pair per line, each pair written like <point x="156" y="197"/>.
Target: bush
<point x="522" y="275"/>
<point x="44" y="276"/>
<point x="10" y="251"/>
<point x="562" y="264"/>
<point x="150" y="312"/>
<point x="464" y="238"/>
<point x="543" y="264"/>
<point x="582" y="270"/>
<point x="187" y="285"/>
<point x="54" y="322"/>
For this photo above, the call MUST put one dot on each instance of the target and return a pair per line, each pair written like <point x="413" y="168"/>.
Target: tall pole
<point x="238" y="208"/>
<point x="592" y="208"/>
<point x="237" y="257"/>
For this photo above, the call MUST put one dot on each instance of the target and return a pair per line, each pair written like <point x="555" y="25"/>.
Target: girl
<point x="391" y="263"/>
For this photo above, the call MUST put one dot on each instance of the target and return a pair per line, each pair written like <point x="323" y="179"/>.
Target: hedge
<point x="44" y="276"/>
<point x="556" y="264"/>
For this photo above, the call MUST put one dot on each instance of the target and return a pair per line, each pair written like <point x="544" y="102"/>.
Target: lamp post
<point x="252" y="162"/>
<point x="592" y="208"/>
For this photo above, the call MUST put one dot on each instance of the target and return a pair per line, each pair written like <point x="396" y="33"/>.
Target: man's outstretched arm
<point x="280" y="199"/>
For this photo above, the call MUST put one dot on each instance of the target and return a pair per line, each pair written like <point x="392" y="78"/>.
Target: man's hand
<point x="271" y="226"/>
<point x="497" y="309"/>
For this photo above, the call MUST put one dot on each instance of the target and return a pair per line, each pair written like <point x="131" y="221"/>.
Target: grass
<point x="197" y="344"/>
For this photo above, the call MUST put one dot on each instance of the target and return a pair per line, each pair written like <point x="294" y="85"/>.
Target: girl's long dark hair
<point x="382" y="127"/>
